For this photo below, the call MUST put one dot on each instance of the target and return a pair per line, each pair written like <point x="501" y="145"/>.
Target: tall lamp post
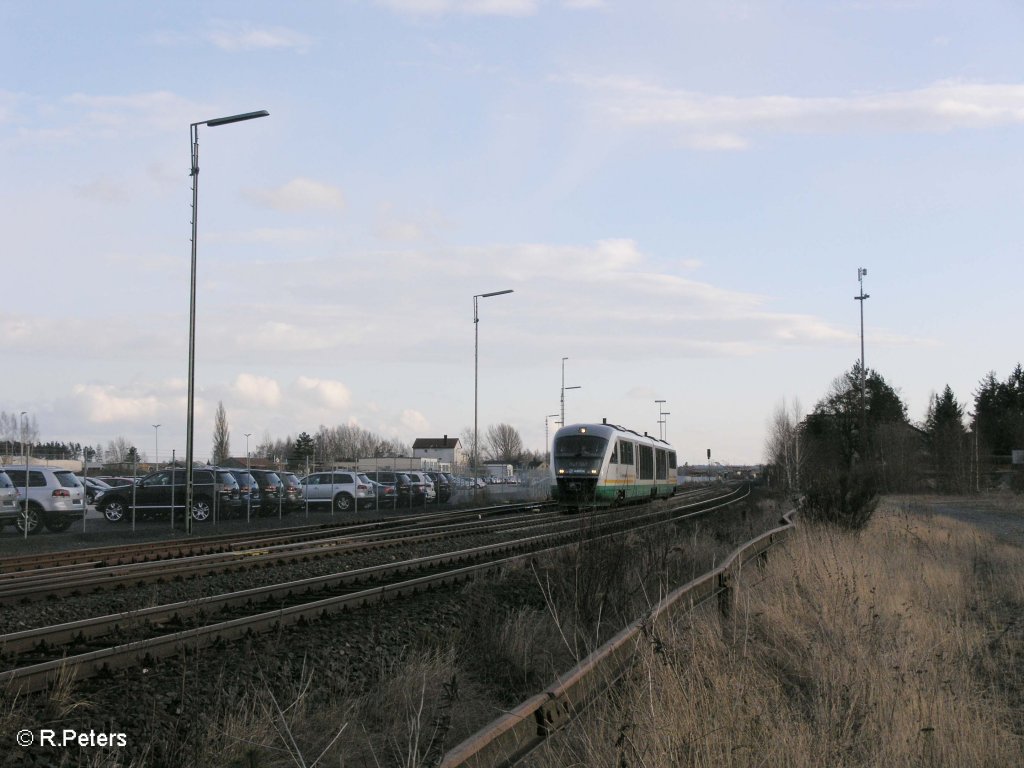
<point x="547" y="443"/>
<point x="190" y="421"/>
<point x="476" y="377"/>
<point x="861" y="272"/>
<point x="562" y="422"/>
<point x="248" y="502"/>
<point x="24" y="432"/>
<point x="156" y="445"/>
<point x="661" y="415"/>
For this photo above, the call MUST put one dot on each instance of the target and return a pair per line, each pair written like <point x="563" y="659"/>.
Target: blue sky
<point x="679" y="194"/>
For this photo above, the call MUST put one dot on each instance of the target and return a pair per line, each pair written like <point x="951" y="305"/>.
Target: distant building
<point x="447" y="450"/>
<point x="239" y="462"/>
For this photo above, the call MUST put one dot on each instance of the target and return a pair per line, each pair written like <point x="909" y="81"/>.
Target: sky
<point x="679" y="195"/>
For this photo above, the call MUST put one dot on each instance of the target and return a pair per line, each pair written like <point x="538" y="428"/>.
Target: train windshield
<point x="580" y="446"/>
<point x="579" y="454"/>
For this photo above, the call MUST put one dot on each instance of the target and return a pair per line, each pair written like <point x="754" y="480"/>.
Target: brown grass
<point x="898" y="646"/>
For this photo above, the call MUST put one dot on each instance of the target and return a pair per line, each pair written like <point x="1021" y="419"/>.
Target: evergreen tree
<point x="999" y="412"/>
<point x="947" y="439"/>
<point x="302" y="449"/>
<point x="853" y="442"/>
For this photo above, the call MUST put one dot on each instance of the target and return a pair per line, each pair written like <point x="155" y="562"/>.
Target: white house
<point x="447" y="450"/>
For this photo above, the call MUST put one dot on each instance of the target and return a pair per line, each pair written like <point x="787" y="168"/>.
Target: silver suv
<point x="55" y="497"/>
<point x="10" y="510"/>
<point x="343" y="490"/>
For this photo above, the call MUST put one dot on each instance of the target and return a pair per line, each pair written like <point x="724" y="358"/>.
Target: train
<point x="603" y="465"/>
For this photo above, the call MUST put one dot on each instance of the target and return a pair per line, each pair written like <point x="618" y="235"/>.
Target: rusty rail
<point x="37" y="676"/>
<point x="509" y="738"/>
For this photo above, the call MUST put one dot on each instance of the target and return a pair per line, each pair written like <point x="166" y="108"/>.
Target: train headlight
<point x="593" y="471"/>
<point x="561" y="471"/>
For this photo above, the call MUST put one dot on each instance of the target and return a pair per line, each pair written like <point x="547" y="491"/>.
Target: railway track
<point x="232" y="553"/>
<point x="120" y="554"/>
<point x="83" y="648"/>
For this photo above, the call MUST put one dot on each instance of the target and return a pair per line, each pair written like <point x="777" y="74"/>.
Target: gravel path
<point x="1002" y="515"/>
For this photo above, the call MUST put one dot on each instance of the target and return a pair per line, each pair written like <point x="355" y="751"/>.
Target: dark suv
<point x="214" y="491"/>
<point x="248" y="492"/>
<point x="408" y="492"/>
<point x="441" y="485"/>
<point x="292" y="490"/>
<point x="272" y="492"/>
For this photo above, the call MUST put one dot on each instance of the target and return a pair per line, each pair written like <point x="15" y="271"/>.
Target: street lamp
<point x="476" y="368"/>
<point x="562" y="422"/>
<point x="194" y="136"/>
<point x="662" y="422"/>
<point x="861" y="271"/>
<point x="156" y="445"/>
<point x="547" y="444"/>
<point x="248" y="507"/>
<point x="25" y="512"/>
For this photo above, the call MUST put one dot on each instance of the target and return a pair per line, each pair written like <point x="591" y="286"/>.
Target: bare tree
<point x="782" y="445"/>
<point x="504" y="443"/>
<point x="118" y="451"/>
<point x="15" y="428"/>
<point x="468" y="446"/>
<point x="221" y="436"/>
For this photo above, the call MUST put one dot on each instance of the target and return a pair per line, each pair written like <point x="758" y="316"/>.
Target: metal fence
<point x="512" y="736"/>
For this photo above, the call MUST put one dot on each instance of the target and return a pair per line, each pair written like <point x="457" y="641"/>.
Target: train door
<point x="627" y="463"/>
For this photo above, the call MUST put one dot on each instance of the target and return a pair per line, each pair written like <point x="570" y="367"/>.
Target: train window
<point x="614" y="458"/>
<point x="646" y="468"/>
<point x="661" y="464"/>
<point x="672" y="460"/>
<point x="626" y="453"/>
<point x="580" y="445"/>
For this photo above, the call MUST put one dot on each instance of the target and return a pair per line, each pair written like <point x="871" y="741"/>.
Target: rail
<point x="37" y="676"/>
<point x="514" y="735"/>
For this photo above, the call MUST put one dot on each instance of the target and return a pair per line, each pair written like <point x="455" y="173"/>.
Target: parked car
<point x="10" y="509"/>
<point x="292" y="490"/>
<point x="249" y="494"/>
<point x="94" y="488"/>
<point x="408" y="493"/>
<point x="429" y="491"/>
<point x="55" y="497"/>
<point x="272" y="491"/>
<point x="214" y="491"/>
<point x="341" y="490"/>
<point x="116" y="481"/>
<point x="386" y="496"/>
<point x="441" y="485"/>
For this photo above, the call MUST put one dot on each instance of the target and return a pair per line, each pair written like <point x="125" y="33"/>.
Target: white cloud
<point x="468" y="7"/>
<point x="414" y="422"/>
<point x="104" y="190"/>
<point x="258" y="390"/>
<point x="286" y="237"/>
<point x="392" y="226"/>
<point x="9" y="103"/>
<point x="328" y="394"/>
<point x="104" y="405"/>
<point x="713" y="122"/>
<point x="242" y="36"/>
<point x="126" y="115"/>
<point x="300" y="194"/>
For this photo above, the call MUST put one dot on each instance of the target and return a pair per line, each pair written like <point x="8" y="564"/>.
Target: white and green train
<point x="605" y="464"/>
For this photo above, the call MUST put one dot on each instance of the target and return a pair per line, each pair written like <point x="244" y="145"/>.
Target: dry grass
<point x="899" y="646"/>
